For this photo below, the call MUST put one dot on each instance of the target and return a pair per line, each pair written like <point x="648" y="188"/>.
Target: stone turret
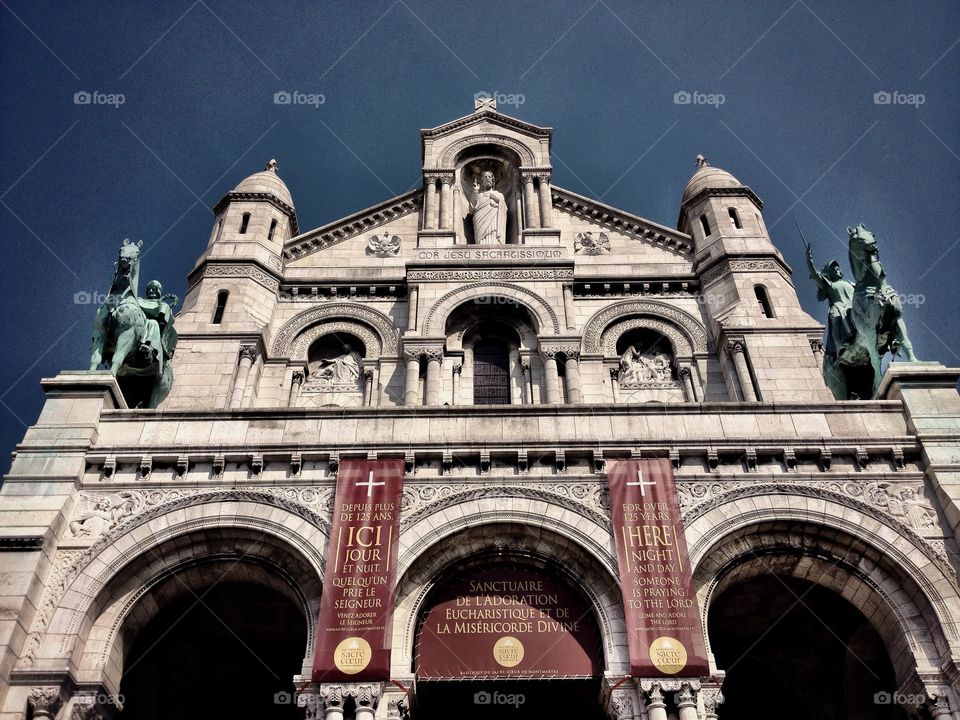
<point x="769" y="347"/>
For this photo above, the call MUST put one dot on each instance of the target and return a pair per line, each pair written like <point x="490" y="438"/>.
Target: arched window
<point x="491" y="373"/>
<point x="735" y="218"/>
<point x="763" y="300"/>
<point x="705" y="224"/>
<point x="244" y="221"/>
<point x="273" y="227"/>
<point x="221" y="306"/>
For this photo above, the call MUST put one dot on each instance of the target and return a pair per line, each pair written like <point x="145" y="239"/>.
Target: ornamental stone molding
<point x="491" y="274"/>
<point x="587" y="499"/>
<point x="383" y="325"/>
<point x="68" y="564"/>
<point x="452" y="152"/>
<point x="371" y="340"/>
<point x="544" y="313"/>
<point x="745" y="265"/>
<point x="243" y="271"/>
<point x="682" y="347"/>
<point x="682" y="322"/>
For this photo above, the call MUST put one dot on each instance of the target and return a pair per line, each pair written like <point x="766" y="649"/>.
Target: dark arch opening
<point x="802" y="646"/>
<point x="763" y="300"/>
<point x="221" y="306"/>
<point x="228" y="651"/>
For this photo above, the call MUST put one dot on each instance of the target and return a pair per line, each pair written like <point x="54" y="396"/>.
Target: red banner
<point x="353" y="640"/>
<point x="508" y="622"/>
<point x="664" y="632"/>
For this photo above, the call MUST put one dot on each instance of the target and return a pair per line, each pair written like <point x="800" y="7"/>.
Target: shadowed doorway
<point x="232" y="655"/>
<point x="798" y="651"/>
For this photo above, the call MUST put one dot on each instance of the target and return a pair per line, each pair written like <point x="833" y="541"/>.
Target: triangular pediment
<point x="492" y="117"/>
<point x="353" y="225"/>
<point x="599" y="214"/>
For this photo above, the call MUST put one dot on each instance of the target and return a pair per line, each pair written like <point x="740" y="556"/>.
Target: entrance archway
<point x="228" y="650"/>
<point x="799" y="642"/>
<point x="511" y="638"/>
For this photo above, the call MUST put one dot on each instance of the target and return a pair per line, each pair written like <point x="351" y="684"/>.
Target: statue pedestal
<point x="928" y="391"/>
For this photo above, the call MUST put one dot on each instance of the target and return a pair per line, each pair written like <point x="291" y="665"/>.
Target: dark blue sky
<point x="798" y="123"/>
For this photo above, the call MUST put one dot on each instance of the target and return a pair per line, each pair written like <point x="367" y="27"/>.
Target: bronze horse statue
<point x="865" y="322"/>
<point x="877" y="310"/>
<point x="134" y="337"/>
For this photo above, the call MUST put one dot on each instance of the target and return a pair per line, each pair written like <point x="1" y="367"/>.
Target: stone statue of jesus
<point x="489" y="212"/>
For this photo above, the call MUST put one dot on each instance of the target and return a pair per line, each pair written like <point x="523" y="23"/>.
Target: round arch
<point x="106" y="586"/>
<point x="687" y="334"/>
<point x="452" y="152"/>
<point x="905" y="593"/>
<point x="540" y="310"/>
<point x="370" y="321"/>
<point x="527" y="526"/>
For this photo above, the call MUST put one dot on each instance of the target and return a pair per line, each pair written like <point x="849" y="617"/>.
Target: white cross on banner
<point x="643" y="483"/>
<point x="370" y="484"/>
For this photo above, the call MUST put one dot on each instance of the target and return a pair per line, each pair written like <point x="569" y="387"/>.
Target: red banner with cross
<point x="664" y="632"/>
<point x="353" y="629"/>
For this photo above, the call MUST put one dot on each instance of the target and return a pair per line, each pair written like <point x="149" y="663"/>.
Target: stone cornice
<point x="622" y="222"/>
<point x="486" y="115"/>
<point x="353" y="225"/>
<point x="259" y="197"/>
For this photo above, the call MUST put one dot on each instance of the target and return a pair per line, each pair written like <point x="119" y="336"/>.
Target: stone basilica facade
<point x="506" y="338"/>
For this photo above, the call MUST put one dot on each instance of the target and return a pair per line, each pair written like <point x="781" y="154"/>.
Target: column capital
<point x="441" y="174"/>
<point x="736" y="345"/>
<point x="816" y="344"/>
<point x="250" y="352"/>
<point x="712" y="697"/>
<point x="686" y="696"/>
<point x="45" y="701"/>
<point x="298" y="377"/>
<point x="543" y="176"/>
<point x="685" y="372"/>
<point x="458" y="368"/>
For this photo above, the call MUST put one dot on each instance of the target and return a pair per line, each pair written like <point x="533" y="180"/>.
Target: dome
<point x="266" y="181"/>
<point x="707" y="176"/>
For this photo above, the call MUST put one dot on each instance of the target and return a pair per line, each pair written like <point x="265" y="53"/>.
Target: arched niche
<point x="469" y="168"/>
<point x="601" y="332"/>
<point x="378" y="332"/>
<point x="496" y="296"/>
<point x="335" y="369"/>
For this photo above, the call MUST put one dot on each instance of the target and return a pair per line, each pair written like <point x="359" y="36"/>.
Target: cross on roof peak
<point x="482" y="101"/>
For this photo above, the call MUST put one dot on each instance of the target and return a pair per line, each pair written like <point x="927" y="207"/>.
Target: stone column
<point x="530" y="219"/>
<point x="737" y="349"/>
<point x="574" y="388"/>
<point x="468" y="371"/>
<point x="527" y="384"/>
<point x="430" y="206"/>
<point x="568" y="306"/>
<point x="513" y="365"/>
<point x="365" y="698"/>
<point x="248" y="353"/>
<point x="615" y="383"/>
<point x="446" y="202"/>
<point x="686" y="376"/>
<point x="433" y="376"/>
<point x="411" y="388"/>
<point x="456" y="384"/>
<point x="656" y="706"/>
<point x="551" y="377"/>
<point x="367" y="387"/>
<point x="413" y="297"/>
<point x="711" y="698"/>
<point x="332" y="699"/>
<point x="816" y="345"/>
<point x="45" y="702"/>
<point x="296" y="381"/>
<point x="546" y="201"/>
<point x="687" y="702"/>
